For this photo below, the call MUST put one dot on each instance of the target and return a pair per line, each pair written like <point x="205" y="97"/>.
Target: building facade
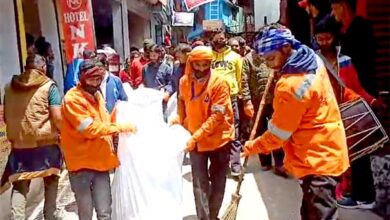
<point x="229" y="12"/>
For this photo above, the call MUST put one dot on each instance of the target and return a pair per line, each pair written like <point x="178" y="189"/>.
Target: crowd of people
<point x="219" y="84"/>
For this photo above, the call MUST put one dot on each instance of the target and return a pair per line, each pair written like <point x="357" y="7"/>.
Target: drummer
<point x="306" y="122"/>
<point x="362" y="194"/>
<point x="326" y="33"/>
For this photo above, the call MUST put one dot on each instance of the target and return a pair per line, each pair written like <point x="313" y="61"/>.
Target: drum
<point x="364" y="132"/>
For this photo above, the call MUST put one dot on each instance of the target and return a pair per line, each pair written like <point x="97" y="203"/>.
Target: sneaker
<point x="349" y="203"/>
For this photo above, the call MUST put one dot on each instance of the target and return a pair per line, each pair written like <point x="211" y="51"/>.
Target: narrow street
<point x="311" y="76"/>
<point x="264" y="196"/>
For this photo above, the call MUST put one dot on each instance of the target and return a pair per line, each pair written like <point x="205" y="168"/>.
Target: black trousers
<point x="209" y="183"/>
<point x="319" y="199"/>
<point x="363" y="188"/>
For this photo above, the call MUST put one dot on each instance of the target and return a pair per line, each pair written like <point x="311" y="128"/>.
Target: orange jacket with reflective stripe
<point x="86" y="132"/>
<point x="205" y="110"/>
<point x="307" y="123"/>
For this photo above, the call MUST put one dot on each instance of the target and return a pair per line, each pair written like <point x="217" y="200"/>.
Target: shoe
<point x="280" y="171"/>
<point x="349" y="203"/>
<point x="266" y="168"/>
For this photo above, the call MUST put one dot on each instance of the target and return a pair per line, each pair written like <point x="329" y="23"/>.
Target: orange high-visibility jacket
<point x="205" y="110"/>
<point x="86" y="132"/>
<point x="307" y="123"/>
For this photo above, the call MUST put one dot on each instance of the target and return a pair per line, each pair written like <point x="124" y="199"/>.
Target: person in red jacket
<point x="125" y="74"/>
<point x="326" y="37"/>
<point x="138" y="64"/>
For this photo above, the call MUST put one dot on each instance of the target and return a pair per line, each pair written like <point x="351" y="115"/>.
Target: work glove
<point x="174" y="121"/>
<point x="246" y="150"/>
<point x="166" y="96"/>
<point x="249" y="110"/>
<point x="127" y="128"/>
<point x="191" y="145"/>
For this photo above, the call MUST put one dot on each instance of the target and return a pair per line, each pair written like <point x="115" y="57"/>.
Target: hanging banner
<point x="77" y="24"/>
<point x="191" y="4"/>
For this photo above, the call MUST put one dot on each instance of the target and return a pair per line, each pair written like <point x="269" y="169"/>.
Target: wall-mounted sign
<point x="77" y="22"/>
<point x="213" y="25"/>
<point x="184" y="19"/>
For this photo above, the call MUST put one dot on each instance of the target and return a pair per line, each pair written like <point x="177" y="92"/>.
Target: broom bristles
<point x="231" y="211"/>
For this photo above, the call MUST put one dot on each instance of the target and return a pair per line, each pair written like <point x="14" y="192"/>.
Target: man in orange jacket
<point x="205" y="110"/>
<point x="86" y="140"/>
<point x="306" y="122"/>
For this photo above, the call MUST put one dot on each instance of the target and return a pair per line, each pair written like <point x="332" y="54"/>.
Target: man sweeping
<point x="205" y="110"/>
<point x="306" y="122"/>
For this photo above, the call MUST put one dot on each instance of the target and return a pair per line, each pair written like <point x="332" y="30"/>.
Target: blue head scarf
<point x="303" y="60"/>
<point x="274" y="39"/>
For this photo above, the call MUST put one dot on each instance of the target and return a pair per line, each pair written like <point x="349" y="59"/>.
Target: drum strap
<point x="331" y="70"/>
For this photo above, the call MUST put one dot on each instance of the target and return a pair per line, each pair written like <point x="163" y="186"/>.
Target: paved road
<point x="264" y="196"/>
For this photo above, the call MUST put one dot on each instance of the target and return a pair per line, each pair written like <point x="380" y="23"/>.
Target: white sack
<point x="127" y="87"/>
<point x="148" y="183"/>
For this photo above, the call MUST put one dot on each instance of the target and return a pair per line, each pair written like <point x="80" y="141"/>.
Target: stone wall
<point x="381" y="171"/>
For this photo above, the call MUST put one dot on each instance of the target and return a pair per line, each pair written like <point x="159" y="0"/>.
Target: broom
<point x="231" y="211"/>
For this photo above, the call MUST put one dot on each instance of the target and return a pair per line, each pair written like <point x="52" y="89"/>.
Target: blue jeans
<point x="236" y="145"/>
<point x="92" y="190"/>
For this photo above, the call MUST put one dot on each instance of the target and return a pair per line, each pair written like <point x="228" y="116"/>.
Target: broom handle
<point x="254" y="128"/>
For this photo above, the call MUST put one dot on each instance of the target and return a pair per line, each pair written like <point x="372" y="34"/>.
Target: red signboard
<point x="77" y="23"/>
<point x="191" y="4"/>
